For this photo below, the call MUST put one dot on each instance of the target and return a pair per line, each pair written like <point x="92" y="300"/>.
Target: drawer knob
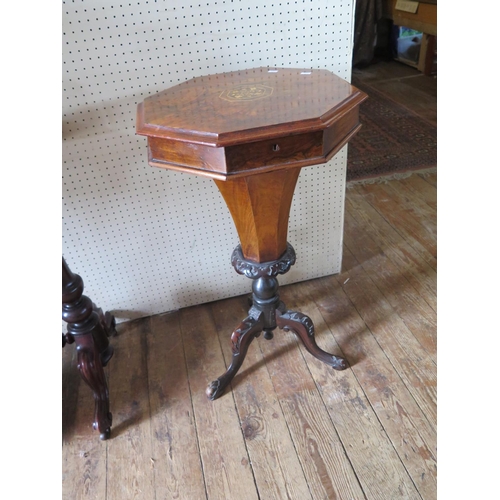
<point x="276" y="147"/>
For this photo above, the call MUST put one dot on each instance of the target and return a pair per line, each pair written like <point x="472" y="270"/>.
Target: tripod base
<point x="265" y="315"/>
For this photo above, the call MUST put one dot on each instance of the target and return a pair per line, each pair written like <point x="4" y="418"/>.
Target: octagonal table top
<point x="248" y="122"/>
<point x="248" y="105"/>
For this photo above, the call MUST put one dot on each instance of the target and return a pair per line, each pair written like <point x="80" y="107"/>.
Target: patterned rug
<point x="393" y="141"/>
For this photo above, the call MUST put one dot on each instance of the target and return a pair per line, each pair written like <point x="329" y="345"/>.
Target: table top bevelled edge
<point x="225" y="153"/>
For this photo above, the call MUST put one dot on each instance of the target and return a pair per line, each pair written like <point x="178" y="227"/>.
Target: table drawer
<point x="281" y="151"/>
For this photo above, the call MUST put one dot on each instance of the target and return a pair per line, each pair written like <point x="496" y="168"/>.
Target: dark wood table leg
<point x="89" y="328"/>
<point x="241" y="338"/>
<point x="303" y="327"/>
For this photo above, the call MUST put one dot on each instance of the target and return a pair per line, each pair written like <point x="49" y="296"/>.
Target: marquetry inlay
<point x="247" y="92"/>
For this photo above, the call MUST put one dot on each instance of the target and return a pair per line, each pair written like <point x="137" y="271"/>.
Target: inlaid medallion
<point x="247" y="92"/>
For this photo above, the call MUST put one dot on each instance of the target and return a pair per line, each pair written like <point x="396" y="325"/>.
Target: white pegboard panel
<point x="149" y="240"/>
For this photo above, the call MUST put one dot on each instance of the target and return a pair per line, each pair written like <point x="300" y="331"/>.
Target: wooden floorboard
<point x="425" y="191"/>
<point x="375" y="462"/>
<point x="403" y="221"/>
<point x="430" y="178"/>
<point x="401" y="253"/>
<point x="129" y="471"/>
<point x="386" y="392"/>
<point x="175" y="448"/>
<point x="407" y="355"/>
<point x="289" y="426"/>
<point x="392" y="282"/>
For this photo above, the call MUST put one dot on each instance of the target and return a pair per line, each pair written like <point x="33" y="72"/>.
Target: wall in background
<point x="148" y="240"/>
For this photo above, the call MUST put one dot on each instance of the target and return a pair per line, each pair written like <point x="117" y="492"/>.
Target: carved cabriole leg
<point x="89" y="328"/>
<point x="92" y="372"/>
<point x="304" y="328"/>
<point x="241" y="338"/>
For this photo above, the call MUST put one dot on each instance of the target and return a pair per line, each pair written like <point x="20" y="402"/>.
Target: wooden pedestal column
<point x="260" y="207"/>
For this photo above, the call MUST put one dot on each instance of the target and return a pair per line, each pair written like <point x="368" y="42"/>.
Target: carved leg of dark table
<point x="89" y="328"/>
<point x="303" y="326"/>
<point x="240" y="339"/>
<point x="267" y="312"/>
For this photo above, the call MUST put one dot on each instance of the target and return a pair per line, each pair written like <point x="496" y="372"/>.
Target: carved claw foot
<point x="105" y="435"/>
<point x="241" y="338"/>
<point x="304" y="329"/>
<point x="214" y="390"/>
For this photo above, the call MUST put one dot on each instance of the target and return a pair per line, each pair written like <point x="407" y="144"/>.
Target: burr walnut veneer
<point x="252" y="131"/>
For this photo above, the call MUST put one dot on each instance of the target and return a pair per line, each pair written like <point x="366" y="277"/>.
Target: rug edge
<point x="384" y="179"/>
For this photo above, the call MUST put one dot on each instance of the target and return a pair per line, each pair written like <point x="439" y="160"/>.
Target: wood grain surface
<point x="250" y="121"/>
<point x="201" y="110"/>
<point x="260" y="208"/>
